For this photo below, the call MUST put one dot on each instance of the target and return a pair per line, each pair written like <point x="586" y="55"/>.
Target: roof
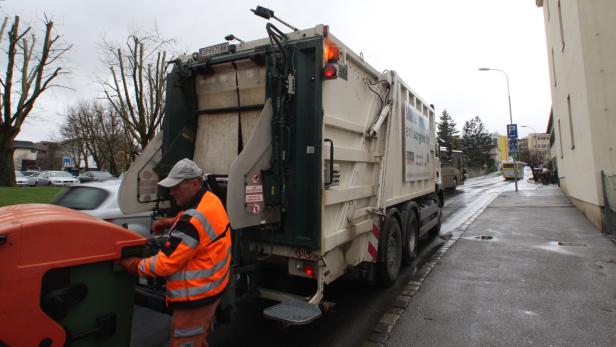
<point x="24" y="144"/>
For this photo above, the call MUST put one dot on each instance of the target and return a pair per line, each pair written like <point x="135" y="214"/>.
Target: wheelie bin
<point x="60" y="281"/>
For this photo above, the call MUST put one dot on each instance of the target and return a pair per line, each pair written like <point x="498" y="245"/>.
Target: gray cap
<point x="182" y="170"/>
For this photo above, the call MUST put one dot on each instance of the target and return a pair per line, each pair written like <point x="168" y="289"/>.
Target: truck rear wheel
<point x="390" y="251"/>
<point x="409" y="250"/>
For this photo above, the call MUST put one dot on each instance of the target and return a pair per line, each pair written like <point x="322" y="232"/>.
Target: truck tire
<point x="455" y="183"/>
<point x="411" y="243"/>
<point x="390" y="251"/>
<point x="436" y="230"/>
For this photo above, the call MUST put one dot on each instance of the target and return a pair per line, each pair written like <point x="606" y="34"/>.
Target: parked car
<point x="21" y="180"/>
<point x="55" y="178"/>
<point x="90" y="176"/>
<point x="100" y="199"/>
<point x="32" y="176"/>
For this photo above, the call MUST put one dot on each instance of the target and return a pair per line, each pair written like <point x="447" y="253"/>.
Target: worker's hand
<point x="130" y="264"/>
<point x="159" y="225"/>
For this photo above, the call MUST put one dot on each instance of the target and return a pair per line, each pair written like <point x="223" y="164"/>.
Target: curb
<point x="382" y="331"/>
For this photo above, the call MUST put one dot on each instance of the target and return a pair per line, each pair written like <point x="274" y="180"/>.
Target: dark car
<point x="92" y="176"/>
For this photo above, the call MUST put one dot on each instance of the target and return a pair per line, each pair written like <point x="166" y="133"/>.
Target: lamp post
<point x="529" y="127"/>
<point x="515" y="164"/>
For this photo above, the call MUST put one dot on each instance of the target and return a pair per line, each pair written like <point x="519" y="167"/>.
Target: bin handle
<point x="331" y="161"/>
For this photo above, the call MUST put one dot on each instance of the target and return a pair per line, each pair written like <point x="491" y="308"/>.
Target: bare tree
<point x="137" y="87"/>
<point x="74" y="143"/>
<point x="31" y="69"/>
<point x="96" y="131"/>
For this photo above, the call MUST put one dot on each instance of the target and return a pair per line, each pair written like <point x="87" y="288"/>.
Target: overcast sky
<point x="435" y="45"/>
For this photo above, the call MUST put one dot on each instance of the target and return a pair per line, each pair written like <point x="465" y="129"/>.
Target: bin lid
<point x="55" y="236"/>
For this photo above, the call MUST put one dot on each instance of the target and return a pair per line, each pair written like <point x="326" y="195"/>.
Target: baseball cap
<point x="182" y="170"/>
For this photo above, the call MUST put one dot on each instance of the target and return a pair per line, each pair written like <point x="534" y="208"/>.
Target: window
<point x="570" y="122"/>
<point x="560" y="23"/>
<point x="82" y="198"/>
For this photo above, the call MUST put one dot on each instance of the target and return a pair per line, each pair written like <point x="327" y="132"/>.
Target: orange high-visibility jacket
<point x="196" y="269"/>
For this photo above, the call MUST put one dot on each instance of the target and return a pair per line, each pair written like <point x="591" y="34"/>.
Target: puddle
<point x="572" y="244"/>
<point x="484" y="237"/>
<point x="553" y="246"/>
<point x="480" y="238"/>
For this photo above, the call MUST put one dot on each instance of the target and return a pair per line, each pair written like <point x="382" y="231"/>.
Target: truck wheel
<point x="436" y="230"/>
<point x="409" y="250"/>
<point x="390" y="251"/>
<point x="455" y="183"/>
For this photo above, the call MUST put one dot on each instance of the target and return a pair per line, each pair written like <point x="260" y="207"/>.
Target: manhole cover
<point x="483" y="237"/>
<point x="572" y="244"/>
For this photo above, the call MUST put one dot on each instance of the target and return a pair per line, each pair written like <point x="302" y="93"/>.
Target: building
<point x="503" y="150"/>
<point x="24" y="155"/>
<point x="523" y="153"/>
<point x="500" y="150"/>
<point x="50" y="155"/>
<point x="580" y="38"/>
<point x="538" y="148"/>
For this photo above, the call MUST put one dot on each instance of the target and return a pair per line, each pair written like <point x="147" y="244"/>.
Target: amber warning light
<point x="331" y="53"/>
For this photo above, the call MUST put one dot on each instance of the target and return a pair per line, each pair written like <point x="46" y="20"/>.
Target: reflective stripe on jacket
<point x="196" y="269"/>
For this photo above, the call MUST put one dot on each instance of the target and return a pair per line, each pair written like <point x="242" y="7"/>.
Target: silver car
<point x="55" y="178"/>
<point x="21" y="180"/>
<point x="100" y="199"/>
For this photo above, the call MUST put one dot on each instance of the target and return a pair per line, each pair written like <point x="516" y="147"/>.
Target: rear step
<point x="293" y="312"/>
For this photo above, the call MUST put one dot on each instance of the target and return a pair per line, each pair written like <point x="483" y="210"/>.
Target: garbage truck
<point x="326" y="166"/>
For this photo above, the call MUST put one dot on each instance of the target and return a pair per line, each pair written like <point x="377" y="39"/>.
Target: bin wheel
<point x="390" y="251"/>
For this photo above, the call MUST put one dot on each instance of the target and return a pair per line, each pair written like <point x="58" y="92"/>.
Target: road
<point x="359" y="306"/>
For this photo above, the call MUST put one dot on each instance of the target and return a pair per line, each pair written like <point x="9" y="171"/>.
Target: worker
<point x="195" y="258"/>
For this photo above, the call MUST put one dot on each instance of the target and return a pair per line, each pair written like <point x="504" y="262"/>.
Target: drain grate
<point x="572" y="244"/>
<point x="484" y="237"/>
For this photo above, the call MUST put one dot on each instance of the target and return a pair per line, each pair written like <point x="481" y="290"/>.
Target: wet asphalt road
<point x="359" y="306"/>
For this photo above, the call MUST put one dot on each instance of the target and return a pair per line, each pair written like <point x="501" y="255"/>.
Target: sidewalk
<point x="546" y="278"/>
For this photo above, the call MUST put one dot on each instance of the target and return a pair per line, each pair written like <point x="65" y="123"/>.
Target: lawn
<point x="25" y="195"/>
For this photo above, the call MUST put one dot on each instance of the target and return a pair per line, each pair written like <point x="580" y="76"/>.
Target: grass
<point x="26" y="195"/>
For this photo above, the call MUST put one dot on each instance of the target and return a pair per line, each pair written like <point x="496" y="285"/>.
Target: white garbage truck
<point x="326" y="165"/>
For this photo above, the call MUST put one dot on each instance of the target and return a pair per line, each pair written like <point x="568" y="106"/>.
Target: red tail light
<point x="330" y="71"/>
<point x="309" y="270"/>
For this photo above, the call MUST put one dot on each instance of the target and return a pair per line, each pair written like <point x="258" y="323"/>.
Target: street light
<point x="529" y="127"/>
<point x="515" y="164"/>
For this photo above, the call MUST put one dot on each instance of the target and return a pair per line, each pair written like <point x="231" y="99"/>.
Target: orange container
<point x="36" y="238"/>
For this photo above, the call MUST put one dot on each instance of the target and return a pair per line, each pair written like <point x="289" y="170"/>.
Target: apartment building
<point x="581" y="42"/>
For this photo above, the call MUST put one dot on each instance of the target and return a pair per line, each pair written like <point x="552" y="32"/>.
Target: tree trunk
<point x="7" y="169"/>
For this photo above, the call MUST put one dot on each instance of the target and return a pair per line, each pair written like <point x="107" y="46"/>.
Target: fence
<point x="609" y="200"/>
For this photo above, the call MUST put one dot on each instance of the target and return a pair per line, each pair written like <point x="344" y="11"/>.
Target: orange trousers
<point x="190" y="327"/>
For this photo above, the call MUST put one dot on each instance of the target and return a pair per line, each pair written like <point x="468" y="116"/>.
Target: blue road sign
<point x="512" y="131"/>
<point x="67" y="162"/>
<point x="513" y="145"/>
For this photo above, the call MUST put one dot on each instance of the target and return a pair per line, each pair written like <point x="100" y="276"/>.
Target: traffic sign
<point x="67" y="162"/>
<point x="512" y="131"/>
<point x="513" y="145"/>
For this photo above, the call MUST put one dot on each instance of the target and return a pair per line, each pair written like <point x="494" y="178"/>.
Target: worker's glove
<point x="130" y="264"/>
<point x="159" y="225"/>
